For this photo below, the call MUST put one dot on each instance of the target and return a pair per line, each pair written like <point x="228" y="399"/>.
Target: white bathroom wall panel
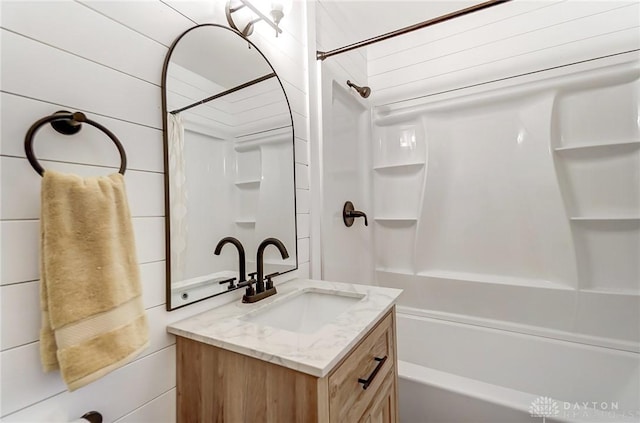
<point x="105" y="59"/>
<point x="303" y="226"/>
<point x="20" y="299"/>
<point x="144" y="189"/>
<point x="20" y="262"/>
<point x="302" y="201"/>
<point x="302" y="151"/>
<point x="506" y="40"/>
<point x="332" y="33"/>
<point x="40" y="26"/>
<point x="33" y="69"/>
<point x="155" y="410"/>
<point x="152" y="19"/>
<point x="143" y="144"/>
<point x="108" y="397"/>
<point x="518" y="212"/>
<point x="302" y="176"/>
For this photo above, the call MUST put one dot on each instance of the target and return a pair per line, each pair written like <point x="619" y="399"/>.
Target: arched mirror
<point x="229" y="162"/>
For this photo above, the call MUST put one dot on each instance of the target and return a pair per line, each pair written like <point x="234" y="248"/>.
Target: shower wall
<point x="505" y="182"/>
<point x="343" y="153"/>
<point x="518" y="206"/>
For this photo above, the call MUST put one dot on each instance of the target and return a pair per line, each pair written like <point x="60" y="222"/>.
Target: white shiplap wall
<point x="332" y="32"/>
<point x="105" y="58"/>
<point x="506" y="40"/>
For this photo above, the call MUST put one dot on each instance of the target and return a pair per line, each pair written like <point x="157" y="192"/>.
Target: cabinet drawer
<point x="348" y="400"/>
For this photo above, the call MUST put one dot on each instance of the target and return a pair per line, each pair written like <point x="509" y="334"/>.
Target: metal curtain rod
<point x="321" y="55"/>
<point x="222" y="94"/>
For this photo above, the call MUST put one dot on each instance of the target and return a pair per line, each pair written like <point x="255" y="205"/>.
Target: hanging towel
<point x="93" y="319"/>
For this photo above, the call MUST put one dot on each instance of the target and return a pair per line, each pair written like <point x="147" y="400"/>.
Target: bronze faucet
<point x="261" y="290"/>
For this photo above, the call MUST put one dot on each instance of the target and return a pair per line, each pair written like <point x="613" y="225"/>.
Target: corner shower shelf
<point x="409" y="167"/>
<point x="598" y="145"/>
<point x="252" y="183"/>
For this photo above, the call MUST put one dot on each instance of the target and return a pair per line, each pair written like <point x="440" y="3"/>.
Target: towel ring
<point x="68" y="123"/>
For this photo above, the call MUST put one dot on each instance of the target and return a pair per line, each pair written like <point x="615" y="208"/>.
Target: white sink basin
<point x="305" y="311"/>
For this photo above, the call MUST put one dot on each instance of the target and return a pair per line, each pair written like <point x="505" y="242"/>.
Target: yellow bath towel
<point x="93" y="319"/>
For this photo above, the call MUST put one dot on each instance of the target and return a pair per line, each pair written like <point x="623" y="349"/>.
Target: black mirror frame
<point x="165" y="144"/>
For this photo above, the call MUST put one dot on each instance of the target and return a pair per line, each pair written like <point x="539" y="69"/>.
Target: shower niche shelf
<point x="395" y="238"/>
<point x="604" y="218"/>
<point x="395" y="191"/>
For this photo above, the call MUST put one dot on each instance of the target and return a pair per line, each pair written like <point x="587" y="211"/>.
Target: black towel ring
<point x="68" y="123"/>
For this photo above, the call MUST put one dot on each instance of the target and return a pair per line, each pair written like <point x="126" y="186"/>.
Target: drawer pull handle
<point x="366" y="382"/>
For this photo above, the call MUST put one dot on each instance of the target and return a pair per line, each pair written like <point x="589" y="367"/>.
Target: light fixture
<point x="246" y="14"/>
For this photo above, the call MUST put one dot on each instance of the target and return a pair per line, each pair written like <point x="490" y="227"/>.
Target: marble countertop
<point x="312" y="353"/>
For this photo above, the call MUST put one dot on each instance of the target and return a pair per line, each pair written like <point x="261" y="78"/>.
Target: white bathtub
<point x="453" y="372"/>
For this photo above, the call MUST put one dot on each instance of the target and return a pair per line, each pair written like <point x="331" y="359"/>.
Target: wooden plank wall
<point x="105" y="58"/>
<point x="510" y="39"/>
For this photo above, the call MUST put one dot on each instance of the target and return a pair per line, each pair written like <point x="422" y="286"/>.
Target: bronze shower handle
<point x="349" y="213"/>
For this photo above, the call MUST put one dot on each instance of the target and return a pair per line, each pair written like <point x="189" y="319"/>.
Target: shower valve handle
<point x="349" y="213"/>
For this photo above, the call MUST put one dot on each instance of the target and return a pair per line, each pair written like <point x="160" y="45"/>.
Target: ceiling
<point x="370" y="18"/>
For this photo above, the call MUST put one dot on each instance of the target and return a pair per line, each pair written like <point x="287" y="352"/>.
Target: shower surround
<point x="516" y="207"/>
<point x="509" y="213"/>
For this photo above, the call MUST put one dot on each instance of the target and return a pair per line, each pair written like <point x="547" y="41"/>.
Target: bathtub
<point x="455" y="372"/>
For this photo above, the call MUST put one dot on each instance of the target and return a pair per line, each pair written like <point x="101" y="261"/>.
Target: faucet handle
<point x="249" y="284"/>
<point x="230" y="281"/>
<point x="268" y="281"/>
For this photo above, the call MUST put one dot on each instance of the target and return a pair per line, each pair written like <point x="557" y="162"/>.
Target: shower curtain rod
<point x="222" y="94"/>
<point x="321" y="55"/>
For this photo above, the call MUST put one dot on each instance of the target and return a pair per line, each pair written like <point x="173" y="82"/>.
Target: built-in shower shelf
<point x="605" y="218"/>
<point x="394" y="219"/>
<point x="599" y="145"/>
<point x="250" y="183"/>
<point x="494" y="279"/>
<point x="408" y="167"/>
<point x="395" y="271"/>
<point x="622" y="292"/>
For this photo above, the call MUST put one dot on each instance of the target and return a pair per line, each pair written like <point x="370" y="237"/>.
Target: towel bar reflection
<point x="68" y="123"/>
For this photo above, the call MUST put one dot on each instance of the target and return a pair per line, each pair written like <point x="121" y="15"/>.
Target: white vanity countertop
<point x="312" y="353"/>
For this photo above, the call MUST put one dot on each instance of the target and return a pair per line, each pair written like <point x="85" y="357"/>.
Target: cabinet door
<point x="382" y="408"/>
<point x="347" y="398"/>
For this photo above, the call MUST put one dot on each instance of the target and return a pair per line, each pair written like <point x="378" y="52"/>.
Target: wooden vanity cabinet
<point x="217" y="385"/>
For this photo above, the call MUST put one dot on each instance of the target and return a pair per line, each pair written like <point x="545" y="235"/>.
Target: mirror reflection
<point x="230" y="162"/>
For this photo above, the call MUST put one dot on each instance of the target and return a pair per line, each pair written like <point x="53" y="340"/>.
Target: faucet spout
<point x="241" y="265"/>
<point x="259" y="259"/>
